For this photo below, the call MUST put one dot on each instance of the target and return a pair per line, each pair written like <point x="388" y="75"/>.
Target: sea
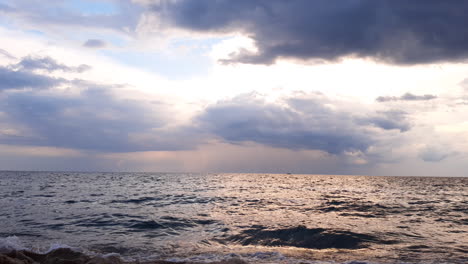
<point x="259" y="218"/>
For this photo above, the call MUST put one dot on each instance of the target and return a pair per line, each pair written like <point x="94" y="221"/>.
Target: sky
<point x="263" y="86"/>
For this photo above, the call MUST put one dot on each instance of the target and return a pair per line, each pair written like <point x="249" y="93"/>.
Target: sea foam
<point x="8" y="244"/>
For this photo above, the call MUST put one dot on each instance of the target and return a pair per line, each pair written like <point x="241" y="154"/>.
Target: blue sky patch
<point x="176" y="68"/>
<point x="87" y="7"/>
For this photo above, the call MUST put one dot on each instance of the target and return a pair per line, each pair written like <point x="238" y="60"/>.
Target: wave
<point x="13" y="252"/>
<point x="60" y="255"/>
<point x="303" y="237"/>
<point x="64" y="255"/>
<point x="134" y="223"/>
<point x="10" y="243"/>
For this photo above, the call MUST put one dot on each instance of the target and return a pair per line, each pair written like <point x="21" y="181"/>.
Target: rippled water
<point x="264" y="217"/>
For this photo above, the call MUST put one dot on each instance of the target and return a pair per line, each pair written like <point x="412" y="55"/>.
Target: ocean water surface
<point x="261" y="218"/>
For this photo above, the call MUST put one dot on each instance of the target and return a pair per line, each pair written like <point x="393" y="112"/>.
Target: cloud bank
<point x="309" y="121"/>
<point x="47" y="107"/>
<point x="38" y="109"/>
<point x="392" y="31"/>
<point x="95" y="118"/>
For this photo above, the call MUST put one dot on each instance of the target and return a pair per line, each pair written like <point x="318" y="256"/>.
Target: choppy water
<point x="260" y="217"/>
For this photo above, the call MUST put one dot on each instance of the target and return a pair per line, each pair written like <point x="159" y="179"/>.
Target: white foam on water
<point x="12" y="243"/>
<point x="109" y="255"/>
<point x="56" y="246"/>
<point x="269" y="257"/>
<point x="8" y="244"/>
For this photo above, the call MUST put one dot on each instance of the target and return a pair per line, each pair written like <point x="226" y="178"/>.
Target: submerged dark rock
<point x="303" y="237"/>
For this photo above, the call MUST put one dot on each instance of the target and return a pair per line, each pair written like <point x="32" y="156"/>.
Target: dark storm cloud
<point x="18" y="79"/>
<point x="298" y="123"/>
<point x="31" y="63"/>
<point x="393" y="31"/>
<point x="94" y="43"/>
<point x="406" y="97"/>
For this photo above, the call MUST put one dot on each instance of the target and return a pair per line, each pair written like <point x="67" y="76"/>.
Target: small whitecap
<point x="10" y="243"/>
<point x="56" y="246"/>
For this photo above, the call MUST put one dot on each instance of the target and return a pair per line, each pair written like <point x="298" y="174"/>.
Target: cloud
<point x="6" y="54"/>
<point x="94" y="43"/>
<point x="406" y="97"/>
<point x="19" y="79"/>
<point x="98" y="120"/>
<point x="298" y="122"/>
<point x="21" y="75"/>
<point x="31" y="63"/>
<point x="435" y="153"/>
<point x="393" y="119"/>
<point x="85" y="116"/>
<point x="5" y="8"/>
<point x="94" y="120"/>
<point x="398" y="32"/>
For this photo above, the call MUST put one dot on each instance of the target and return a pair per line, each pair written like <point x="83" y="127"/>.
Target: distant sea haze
<point x="260" y="218"/>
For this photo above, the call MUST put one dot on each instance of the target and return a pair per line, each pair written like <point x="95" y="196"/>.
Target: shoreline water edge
<point x="69" y="256"/>
<point x="12" y="252"/>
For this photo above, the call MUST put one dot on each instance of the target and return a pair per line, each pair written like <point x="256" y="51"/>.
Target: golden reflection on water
<point x="415" y="213"/>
